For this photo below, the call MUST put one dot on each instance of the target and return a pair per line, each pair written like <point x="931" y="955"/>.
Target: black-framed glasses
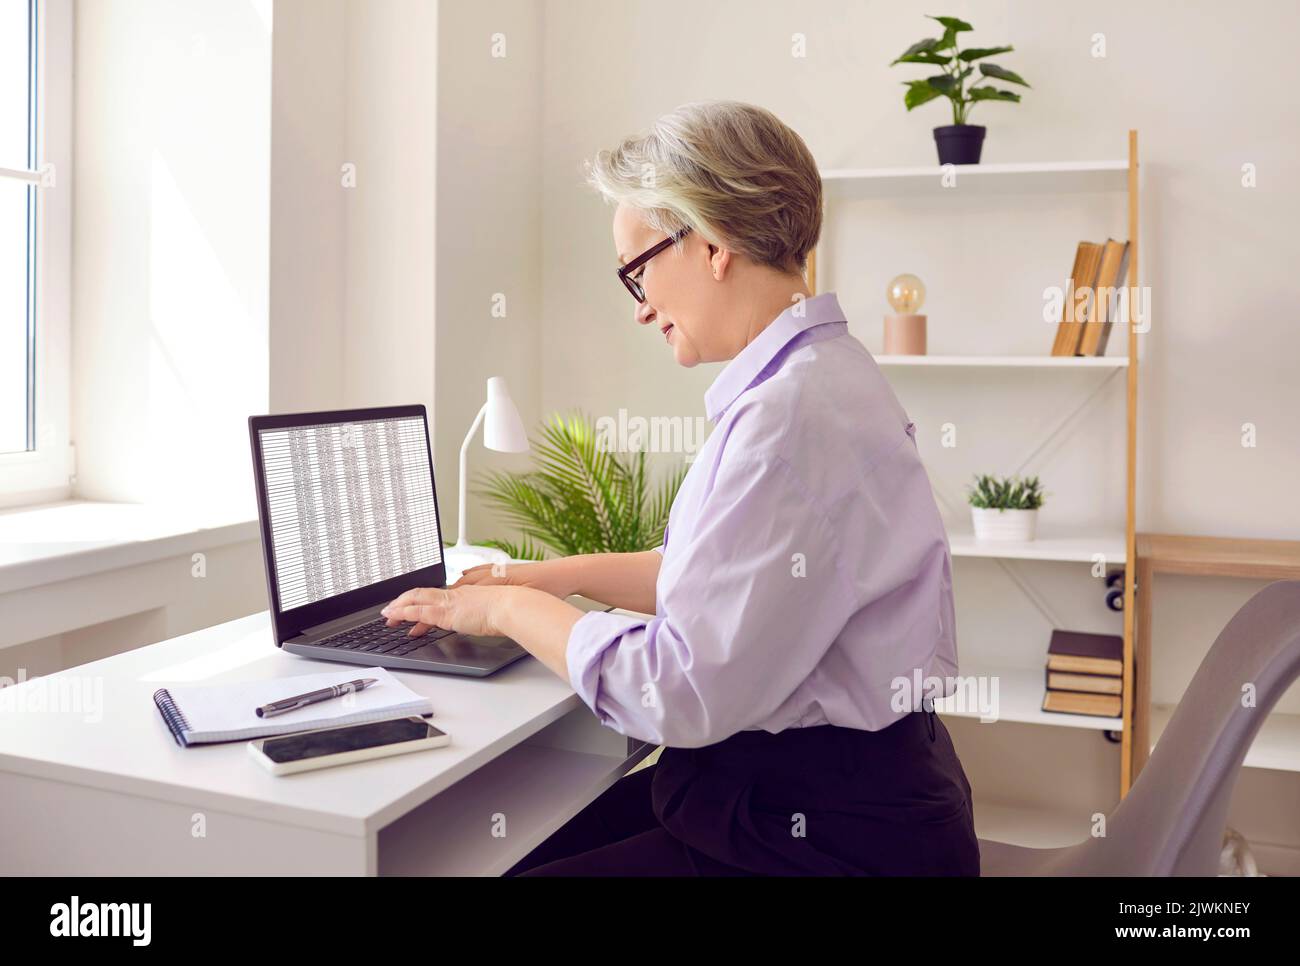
<point x="625" y="273"/>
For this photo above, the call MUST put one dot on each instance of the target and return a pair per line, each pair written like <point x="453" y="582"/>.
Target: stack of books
<point x="1091" y="301"/>
<point x="1085" y="674"/>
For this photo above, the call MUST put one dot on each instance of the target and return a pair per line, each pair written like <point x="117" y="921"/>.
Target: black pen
<point x="311" y="697"/>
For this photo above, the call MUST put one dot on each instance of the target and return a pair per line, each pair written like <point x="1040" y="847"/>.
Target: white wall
<point x="222" y="271"/>
<point x="308" y="242"/>
<point x="1217" y="255"/>
<point x="170" y="178"/>
<point x="391" y="137"/>
<point x="373" y="299"/>
<point x="170" y="269"/>
<point x="223" y="267"/>
<point x="490" y="240"/>
<point x="354" y="147"/>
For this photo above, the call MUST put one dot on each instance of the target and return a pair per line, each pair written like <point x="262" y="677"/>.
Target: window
<point x="18" y="163"/>
<point x="35" y="229"/>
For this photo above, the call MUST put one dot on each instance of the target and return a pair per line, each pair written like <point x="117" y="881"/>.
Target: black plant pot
<point x="959" y="143"/>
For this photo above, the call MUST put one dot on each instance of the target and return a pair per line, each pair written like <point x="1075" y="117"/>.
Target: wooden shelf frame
<point x="1277" y="746"/>
<point x="1126" y="773"/>
<point x="1057" y="177"/>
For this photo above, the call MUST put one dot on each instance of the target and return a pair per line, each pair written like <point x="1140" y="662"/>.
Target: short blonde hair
<point x="731" y="171"/>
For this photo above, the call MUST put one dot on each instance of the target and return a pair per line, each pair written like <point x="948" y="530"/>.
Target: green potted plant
<point x="959" y="142"/>
<point x="1005" y="508"/>
<point x="581" y="498"/>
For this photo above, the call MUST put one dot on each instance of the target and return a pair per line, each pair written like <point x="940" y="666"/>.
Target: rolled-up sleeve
<point x="660" y="549"/>
<point x="749" y="603"/>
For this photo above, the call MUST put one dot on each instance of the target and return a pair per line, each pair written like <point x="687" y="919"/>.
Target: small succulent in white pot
<point x="1005" y="508"/>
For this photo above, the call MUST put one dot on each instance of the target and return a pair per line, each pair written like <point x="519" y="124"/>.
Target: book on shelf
<point x="1077" y="307"/>
<point x="1080" y="653"/>
<point x="1084" y="674"/>
<point x="1074" y="702"/>
<point x="1090" y="683"/>
<point x="1106" y="296"/>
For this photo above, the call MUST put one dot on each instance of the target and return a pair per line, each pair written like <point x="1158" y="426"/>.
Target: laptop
<point x="349" y="520"/>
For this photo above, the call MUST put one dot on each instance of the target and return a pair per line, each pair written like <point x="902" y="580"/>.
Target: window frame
<point x="45" y="471"/>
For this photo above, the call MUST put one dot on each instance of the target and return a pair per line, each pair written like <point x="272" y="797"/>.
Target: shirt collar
<point x="746" y="368"/>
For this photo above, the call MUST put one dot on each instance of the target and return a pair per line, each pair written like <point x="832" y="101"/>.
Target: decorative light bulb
<point x="906" y="294"/>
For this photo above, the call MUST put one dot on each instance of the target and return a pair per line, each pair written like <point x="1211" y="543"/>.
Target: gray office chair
<point x="1173" y="818"/>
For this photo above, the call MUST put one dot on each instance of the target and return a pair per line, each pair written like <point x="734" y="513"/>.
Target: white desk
<point x="118" y="796"/>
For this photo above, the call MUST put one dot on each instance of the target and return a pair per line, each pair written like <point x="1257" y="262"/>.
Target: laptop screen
<point x="348" y="504"/>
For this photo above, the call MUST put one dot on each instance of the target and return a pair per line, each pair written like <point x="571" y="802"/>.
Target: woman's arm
<point x="625" y="580"/>
<point x="526" y="602"/>
<point x="752" y="600"/>
<point x="540" y="622"/>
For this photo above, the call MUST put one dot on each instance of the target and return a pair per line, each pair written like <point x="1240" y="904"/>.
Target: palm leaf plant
<point x="580" y="497"/>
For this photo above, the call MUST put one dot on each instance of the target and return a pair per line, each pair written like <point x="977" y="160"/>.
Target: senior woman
<point x="804" y="583"/>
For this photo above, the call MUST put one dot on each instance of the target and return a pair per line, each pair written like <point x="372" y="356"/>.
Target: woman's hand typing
<point x="556" y="577"/>
<point x="469" y="610"/>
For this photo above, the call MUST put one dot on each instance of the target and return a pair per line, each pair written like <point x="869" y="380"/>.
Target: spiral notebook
<point x="207" y="713"/>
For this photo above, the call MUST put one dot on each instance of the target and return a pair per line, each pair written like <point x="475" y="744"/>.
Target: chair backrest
<point x="1173" y="818"/>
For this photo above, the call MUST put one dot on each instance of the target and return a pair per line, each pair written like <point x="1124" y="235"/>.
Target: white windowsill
<point x="62" y="541"/>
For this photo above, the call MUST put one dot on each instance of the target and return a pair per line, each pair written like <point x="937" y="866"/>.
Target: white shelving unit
<point x="1021" y="688"/>
<point x="1008" y="362"/>
<point x="1020" y="699"/>
<point x="1276" y="746"/>
<point x="1034" y="177"/>
<point x="1051" y="545"/>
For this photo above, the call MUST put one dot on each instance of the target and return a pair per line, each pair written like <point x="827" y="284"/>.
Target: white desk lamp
<point x="503" y="431"/>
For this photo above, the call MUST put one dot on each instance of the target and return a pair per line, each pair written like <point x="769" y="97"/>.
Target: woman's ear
<point x="719" y="261"/>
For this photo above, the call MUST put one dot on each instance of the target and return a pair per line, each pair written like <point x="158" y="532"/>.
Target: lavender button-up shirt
<point x="806" y="569"/>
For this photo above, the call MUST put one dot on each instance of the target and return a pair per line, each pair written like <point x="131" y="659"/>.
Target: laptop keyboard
<point x="377" y="637"/>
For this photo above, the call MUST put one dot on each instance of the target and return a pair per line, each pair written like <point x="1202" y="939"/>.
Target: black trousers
<point x="806" y="801"/>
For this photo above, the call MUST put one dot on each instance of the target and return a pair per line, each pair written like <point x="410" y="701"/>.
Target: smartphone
<point x="326" y="747"/>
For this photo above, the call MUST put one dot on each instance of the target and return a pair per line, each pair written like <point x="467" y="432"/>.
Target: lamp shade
<point x="503" y="430"/>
